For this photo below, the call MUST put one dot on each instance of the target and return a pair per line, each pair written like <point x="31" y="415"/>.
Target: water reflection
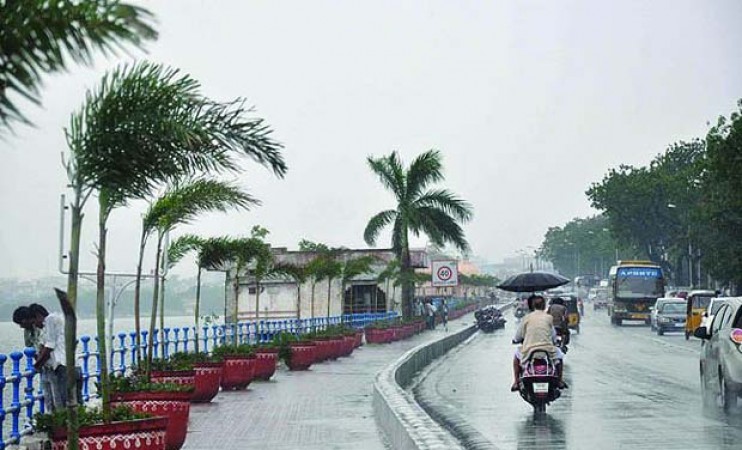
<point x="540" y="431"/>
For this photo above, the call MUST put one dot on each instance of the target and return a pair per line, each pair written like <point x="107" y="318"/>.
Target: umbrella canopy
<point x="532" y="282"/>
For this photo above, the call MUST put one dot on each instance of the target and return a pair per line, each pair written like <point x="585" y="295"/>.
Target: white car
<point x="657" y="307"/>
<point x="711" y="310"/>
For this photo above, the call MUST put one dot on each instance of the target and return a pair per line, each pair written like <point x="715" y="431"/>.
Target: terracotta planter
<point x="376" y="336"/>
<point x="338" y="347"/>
<point x="266" y="363"/>
<point x="143" y="434"/>
<point x="323" y="349"/>
<point x="238" y="372"/>
<point x="208" y="378"/>
<point x="182" y="377"/>
<point x="349" y="343"/>
<point x="302" y="355"/>
<point x="173" y="405"/>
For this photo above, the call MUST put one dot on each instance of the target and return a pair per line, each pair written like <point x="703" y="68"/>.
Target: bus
<point x="635" y="288"/>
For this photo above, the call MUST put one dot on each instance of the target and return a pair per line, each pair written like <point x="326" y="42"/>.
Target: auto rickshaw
<point x="573" y="313"/>
<point x="697" y="304"/>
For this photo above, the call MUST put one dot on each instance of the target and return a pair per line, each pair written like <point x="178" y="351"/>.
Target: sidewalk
<point x="327" y="407"/>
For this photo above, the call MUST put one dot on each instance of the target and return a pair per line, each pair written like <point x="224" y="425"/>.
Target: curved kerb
<point x="404" y="422"/>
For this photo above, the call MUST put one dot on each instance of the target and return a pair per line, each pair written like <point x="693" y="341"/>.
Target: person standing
<point x="51" y="356"/>
<point x="22" y="317"/>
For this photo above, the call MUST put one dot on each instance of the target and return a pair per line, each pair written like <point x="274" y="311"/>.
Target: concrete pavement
<point x="327" y="407"/>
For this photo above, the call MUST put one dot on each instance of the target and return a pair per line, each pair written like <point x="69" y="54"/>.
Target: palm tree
<point x="147" y="125"/>
<point x="315" y="268"/>
<point x="213" y="254"/>
<point x="390" y="276"/>
<point x="299" y="274"/>
<point x="332" y="269"/>
<point x="180" y="204"/>
<point x="437" y="213"/>
<point x="351" y="268"/>
<point x="39" y="37"/>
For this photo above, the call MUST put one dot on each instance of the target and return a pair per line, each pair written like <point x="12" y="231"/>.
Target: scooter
<point x="539" y="381"/>
<point x="489" y="319"/>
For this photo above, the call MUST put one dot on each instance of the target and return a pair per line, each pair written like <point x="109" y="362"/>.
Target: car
<point x="670" y="316"/>
<point x="721" y="355"/>
<point x="708" y="316"/>
<point x="657" y="305"/>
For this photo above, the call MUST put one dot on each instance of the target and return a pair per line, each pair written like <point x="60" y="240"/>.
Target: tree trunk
<point x="70" y="323"/>
<point x="153" y="316"/>
<point x="298" y="300"/>
<point x="329" y="290"/>
<point x="162" y="305"/>
<point x="311" y="303"/>
<point x="408" y="287"/>
<point x="196" y="310"/>
<point x="236" y="289"/>
<point x="137" y="296"/>
<point x="257" y="299"/>
<point x="100" y="308"/>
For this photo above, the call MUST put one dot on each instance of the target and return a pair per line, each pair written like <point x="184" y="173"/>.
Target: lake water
<point x="11" y="335"/>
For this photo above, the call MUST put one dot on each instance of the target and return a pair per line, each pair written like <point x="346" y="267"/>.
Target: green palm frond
<point x="424" y="170"/>
<point x="441" y="228"/>
<point x="184" y="201"/>
<point x="376" y="224"/>
<point x="38" y="37"/>
<point x="354" y="267"/>
<point x="390" y="172"/>
<point x="181" y="246"/>
<point x="296" y="272"/>
<point x="447" y="202"/>
<point x="215" y="253"/>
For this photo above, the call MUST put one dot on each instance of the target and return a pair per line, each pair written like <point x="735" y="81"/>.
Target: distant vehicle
<point x="635" y="287"/>
<point x="721" y="355"/>
<point x="670" y="316"/>
<point x="583" y="284"/>
<point x="602" y="297"/>
<point x="658" y="305"/>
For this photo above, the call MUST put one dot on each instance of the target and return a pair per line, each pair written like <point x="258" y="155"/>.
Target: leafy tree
<point x="316" y="266"/>
<point x="213" y="254"/>
<point x="179" y="205"/>
<point x="419" y="209"/>
<point x="37" y="37"/>
<point x="720" y="213"/>
<point x="144" y="126"/>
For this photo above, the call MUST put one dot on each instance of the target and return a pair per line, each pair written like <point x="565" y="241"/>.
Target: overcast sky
<point x="529" y="101"/>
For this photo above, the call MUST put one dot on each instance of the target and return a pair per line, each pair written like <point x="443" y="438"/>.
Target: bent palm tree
<point x="144" y="126"/>
<point x="437" y="213"/>
<point x="177" y="206"/>
<point x="38" y="37"/>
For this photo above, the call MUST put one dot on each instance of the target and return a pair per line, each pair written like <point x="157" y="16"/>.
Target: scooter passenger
<point x="536" y="332"/>
<point x="558" y="312"/>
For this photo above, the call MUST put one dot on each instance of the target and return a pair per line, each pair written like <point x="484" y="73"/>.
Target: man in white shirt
<point x="51" y="356"/>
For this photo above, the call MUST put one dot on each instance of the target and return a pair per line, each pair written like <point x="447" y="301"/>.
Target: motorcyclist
<point x="536" y="332"/>
<point x="558" y="312"/>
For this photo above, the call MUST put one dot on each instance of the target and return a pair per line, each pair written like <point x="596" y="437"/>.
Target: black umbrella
<point x="532" y="282"/>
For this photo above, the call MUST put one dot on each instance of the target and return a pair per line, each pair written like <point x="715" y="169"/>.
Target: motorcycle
<point x="561" y="342"/>
<point x="539" y="381"/>
<point x="489" y="319"/>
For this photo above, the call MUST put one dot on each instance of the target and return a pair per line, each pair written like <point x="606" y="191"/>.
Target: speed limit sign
<point x="445" y="273"/>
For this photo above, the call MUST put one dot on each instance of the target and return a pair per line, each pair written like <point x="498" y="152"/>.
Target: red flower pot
<point x="302" y="355"/>
<point x="143" y="434"/>
<point x="182" y="377"/>
<point x="349" y="343"/>
<point x="376" y="336"/>
<point x="238" y="372"/>
<point x="173" y="405"/>
<point x="338" y="347"/>
<point x="324" y="349"/>
<point x="266" y="363"/>
<point x="208" y="378"/>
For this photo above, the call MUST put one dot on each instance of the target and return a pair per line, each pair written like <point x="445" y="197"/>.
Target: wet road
<point x="629" y="388"/>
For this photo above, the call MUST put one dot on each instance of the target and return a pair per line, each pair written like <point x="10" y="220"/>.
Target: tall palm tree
<point x="332" y="270"/>
<point x="38" y="37"/>
<point x="420" y="209"/>
<point x="351" y="268"/>
<point x="316" y="266"/>
<point x="299" y="274"/>
<point x="146" y="125"/>
<point x="178" y="205"/>
<point x="213" y="254"/>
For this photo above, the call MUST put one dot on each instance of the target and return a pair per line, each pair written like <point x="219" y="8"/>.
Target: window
<point x="738" y="322"/>
<point x="719" y="318"/>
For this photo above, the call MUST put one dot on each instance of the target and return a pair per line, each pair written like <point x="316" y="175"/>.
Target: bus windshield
<point x="639" y="283"/>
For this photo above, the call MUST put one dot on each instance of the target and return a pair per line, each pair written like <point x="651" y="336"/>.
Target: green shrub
<point x="47" y="423"/>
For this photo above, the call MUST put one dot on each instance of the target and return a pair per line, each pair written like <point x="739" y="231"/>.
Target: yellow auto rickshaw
<point x="573" y="313"/>
<point x="697" y="303"/>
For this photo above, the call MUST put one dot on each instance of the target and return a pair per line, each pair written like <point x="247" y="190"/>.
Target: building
<point x="282" y="298"/>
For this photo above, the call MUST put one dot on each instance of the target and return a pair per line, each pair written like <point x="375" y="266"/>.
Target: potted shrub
<point x="160" y="399"/>
<point x="239" y="365"/>
<point x="297" y="354"/>
<point x="127" y="429"/>
<point x="267" y="357"/>
<point x="207" y="374"/>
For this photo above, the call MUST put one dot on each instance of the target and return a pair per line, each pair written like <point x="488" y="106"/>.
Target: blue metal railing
<point x="26" y="397"/>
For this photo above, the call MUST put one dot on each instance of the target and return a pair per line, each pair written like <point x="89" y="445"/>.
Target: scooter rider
<point x="559" y="313"/>
<point x="536" y="332"/>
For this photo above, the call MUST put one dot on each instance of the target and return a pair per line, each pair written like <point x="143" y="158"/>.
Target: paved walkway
<point x="327" y="407"/>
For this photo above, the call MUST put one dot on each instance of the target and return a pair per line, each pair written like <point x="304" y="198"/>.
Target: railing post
<point x="262" y="330"/>
<point x="29" y="374"/>
<point x="15" y="403"/>
<point x="85" y="367"/>
<point x="214" y="328"/>
<point x="166" y="343"/>
<point x="97" y="360"/>
<point x="205" y="337"/>
<point x="144" y="347"/>
<point x="156" y="344"/>
<point x="134" y="352"/>
<point x="176" y="332"/>
<point x="122" y="351"/>
<point x="185" y="338"/>
<point x="3" y="382"/>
